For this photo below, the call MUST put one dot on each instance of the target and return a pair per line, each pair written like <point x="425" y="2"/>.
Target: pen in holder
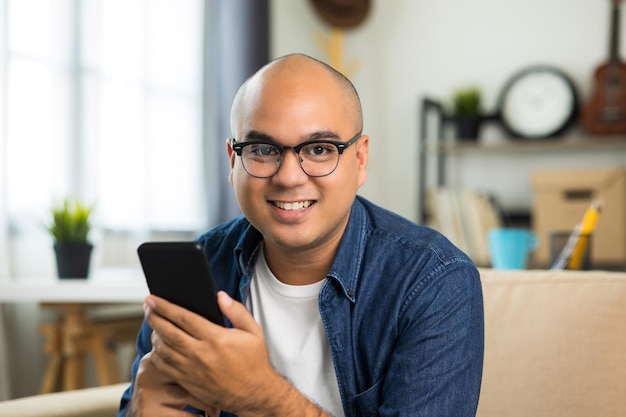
<point x="563" y="243"/>
<point x="578" y="243"/>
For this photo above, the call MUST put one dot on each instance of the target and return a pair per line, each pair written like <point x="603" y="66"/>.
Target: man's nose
<point x="290" y="168"/>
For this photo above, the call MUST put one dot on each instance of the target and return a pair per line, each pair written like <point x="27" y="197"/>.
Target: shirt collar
<point x="346" y="267"/>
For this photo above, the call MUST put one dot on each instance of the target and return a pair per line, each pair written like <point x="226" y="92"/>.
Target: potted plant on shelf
<point x="69" y="227"/>
<point x="466" y="103"/>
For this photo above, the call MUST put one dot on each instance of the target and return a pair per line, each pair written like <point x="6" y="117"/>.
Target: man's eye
<point x="263" y="150"/>
<point x="319" y="150"/>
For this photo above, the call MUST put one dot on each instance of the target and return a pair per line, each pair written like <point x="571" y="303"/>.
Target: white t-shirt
<point x="296" y="340"/>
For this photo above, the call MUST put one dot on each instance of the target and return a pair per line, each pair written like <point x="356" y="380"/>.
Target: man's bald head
<point x="290" y="67"/>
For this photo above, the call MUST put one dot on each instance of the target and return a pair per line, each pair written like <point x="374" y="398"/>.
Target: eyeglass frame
<point x="341" y="146"/>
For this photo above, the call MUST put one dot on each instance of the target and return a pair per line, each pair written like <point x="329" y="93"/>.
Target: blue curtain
<point x="236" y="45"/>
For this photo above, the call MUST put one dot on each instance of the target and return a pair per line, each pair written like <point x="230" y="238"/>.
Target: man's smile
<point x="291" y="206"/>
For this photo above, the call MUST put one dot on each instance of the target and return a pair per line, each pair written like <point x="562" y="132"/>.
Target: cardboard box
<point x="561" y="198"/>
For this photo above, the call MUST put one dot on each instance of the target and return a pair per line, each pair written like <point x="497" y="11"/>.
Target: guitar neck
<point x="614" y="35"/>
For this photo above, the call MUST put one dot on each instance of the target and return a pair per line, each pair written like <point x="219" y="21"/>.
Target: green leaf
<point x="467" y="101"/>
<point x="70" y="221"/>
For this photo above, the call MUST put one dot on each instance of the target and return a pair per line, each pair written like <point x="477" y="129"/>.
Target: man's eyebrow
<point x="260" y="136"/>
<point x="317" y="135"/>
<point x="323" y="134"/>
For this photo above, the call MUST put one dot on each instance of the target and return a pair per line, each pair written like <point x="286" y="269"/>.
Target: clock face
<point x="537" y="103"/>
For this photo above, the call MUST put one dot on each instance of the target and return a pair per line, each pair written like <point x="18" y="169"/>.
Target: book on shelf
<point x="464" y="216"/>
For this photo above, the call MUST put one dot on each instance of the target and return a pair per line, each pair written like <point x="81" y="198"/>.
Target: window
<point x="103" y="100"/>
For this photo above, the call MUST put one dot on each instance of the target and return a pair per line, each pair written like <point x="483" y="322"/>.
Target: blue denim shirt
<point x="402" y="308"/>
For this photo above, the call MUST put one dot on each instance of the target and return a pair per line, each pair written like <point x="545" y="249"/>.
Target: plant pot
<point x="468" y="127"/>
<point x="73" y="259"/>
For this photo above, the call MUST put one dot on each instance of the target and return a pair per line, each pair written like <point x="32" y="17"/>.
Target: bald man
<point x="334" y="306"/>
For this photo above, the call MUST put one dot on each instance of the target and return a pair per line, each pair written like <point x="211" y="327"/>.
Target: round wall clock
<point x="538" y="102"/>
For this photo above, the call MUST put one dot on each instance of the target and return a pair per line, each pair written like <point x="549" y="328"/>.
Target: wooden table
<point x="75" y="333"/>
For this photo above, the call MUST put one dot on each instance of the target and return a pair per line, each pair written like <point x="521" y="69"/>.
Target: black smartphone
<point x="179" y="272"/>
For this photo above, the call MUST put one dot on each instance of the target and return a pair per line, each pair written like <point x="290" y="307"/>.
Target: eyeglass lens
<point x="316" y="159"/>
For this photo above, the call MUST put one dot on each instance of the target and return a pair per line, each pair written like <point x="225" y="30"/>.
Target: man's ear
<point x="362" y="154"/>
<point x="231" y="153"/>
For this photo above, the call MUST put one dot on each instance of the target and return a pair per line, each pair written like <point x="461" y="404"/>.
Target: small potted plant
<point x="69" y="227"/>
<point x="467" y="109"/>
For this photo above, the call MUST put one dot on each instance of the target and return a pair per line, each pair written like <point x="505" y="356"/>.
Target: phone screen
<point x="179" y="272"/>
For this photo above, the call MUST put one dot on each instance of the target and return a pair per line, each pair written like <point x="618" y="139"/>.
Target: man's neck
<point x="299" y="267"/>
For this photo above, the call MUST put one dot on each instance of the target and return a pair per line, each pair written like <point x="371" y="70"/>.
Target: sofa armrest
<point x="88" y="402"/>
<point x="555" y="343"/>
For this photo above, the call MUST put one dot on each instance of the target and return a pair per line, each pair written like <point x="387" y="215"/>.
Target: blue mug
<point x="509" y="248"/>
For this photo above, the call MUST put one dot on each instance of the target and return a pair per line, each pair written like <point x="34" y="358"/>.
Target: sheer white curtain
<point x="142" y="84"/>
<point x="103" y="101"/>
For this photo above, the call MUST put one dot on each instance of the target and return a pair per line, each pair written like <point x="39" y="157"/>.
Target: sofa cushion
<point x="555" y="344"/>
<point x="88" y="402"/>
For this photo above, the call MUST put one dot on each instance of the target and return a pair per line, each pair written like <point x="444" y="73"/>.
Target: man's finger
<point x="238" y="315"/>
<point x="190" y="322"/>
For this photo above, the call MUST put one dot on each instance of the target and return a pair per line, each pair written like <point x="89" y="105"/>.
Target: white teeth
<point x="298" y="205"/>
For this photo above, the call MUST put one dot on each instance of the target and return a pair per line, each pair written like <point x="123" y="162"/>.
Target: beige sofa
<point x="555" y="346"/>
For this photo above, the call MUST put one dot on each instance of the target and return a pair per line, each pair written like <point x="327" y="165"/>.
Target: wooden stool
<point x="75" y="335"/>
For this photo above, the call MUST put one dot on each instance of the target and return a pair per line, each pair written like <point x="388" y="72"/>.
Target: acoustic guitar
<point x="605" y="113"/>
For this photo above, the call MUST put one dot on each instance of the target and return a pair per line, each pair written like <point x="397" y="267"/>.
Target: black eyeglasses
<point x="317" y="158"/>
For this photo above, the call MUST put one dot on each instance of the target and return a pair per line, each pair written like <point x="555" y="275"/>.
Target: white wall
<point x="412" y="48"/>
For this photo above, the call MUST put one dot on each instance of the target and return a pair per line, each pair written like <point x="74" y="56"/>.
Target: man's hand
<point x="228" y="369"/>
<point x="155" y="395"/>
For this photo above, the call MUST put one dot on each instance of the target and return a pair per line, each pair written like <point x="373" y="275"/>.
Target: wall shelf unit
<point x="434" y="147"/>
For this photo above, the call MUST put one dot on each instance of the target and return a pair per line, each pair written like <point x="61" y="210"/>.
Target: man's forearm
<point x="284" y="399"/>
